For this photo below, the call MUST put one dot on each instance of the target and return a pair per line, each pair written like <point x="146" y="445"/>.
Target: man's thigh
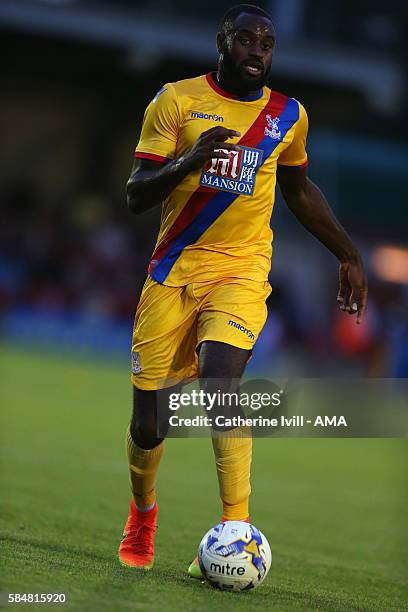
<point x="219" y="361"/>
<point x="233" y="312"/>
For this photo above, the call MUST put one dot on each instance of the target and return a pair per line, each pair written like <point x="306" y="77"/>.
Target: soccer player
<point x="210" y="151"/>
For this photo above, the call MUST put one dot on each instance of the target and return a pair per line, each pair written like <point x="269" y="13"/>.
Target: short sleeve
<point x="158" y="138"/>
<point x="295" y="154"/>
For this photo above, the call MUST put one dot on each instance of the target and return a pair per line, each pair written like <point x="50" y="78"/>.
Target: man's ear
<point x="220" y="42"/>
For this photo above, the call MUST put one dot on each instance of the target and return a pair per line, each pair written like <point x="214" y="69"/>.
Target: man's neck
<point x="225" y="82"/>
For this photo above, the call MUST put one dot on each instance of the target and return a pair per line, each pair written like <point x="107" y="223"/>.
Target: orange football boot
<point x="137" y="546"/>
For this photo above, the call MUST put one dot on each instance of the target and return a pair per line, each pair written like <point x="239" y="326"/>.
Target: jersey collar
<point x="213" y="84"/>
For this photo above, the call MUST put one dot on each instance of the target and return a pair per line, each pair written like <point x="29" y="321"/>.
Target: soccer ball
<point x="234" y="556"/>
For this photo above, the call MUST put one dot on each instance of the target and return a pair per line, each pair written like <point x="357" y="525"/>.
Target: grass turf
<point x="334" y="510"/>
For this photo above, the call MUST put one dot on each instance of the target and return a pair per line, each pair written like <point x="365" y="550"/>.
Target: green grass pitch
<point x="334" y="511"/>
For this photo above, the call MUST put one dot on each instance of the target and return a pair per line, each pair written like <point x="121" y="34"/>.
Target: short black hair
<point x="227" y="22"/>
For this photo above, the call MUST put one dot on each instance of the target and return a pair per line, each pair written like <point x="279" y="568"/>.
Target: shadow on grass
<point x="65" y="556"/>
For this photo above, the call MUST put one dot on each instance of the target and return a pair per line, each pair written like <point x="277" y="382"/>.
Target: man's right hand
<point x="205" y="147"/>
<point x="151" y="182"/>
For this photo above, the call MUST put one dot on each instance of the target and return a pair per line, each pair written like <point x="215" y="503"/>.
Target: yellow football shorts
<point x="171" y="322"/>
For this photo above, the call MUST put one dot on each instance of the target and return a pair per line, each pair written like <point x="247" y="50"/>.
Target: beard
<point x="240" y="79"/>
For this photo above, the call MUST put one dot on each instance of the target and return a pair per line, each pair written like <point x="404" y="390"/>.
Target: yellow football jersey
<point x="215" y="223"/>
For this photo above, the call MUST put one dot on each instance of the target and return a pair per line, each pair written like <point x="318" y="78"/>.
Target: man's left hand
<point x="353" y="289"/>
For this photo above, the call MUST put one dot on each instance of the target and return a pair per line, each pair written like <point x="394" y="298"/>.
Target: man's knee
<point x="150" y="416"/>
<point x="144" y="424"/>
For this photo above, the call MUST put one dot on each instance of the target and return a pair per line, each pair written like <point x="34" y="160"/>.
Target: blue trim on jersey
<point x="161" y="90"/>
<point x="251" y="97"/>
<point x="222" y="200"/>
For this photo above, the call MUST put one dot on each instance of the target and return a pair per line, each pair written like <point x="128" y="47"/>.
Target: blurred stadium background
<point x="76" y="78"/>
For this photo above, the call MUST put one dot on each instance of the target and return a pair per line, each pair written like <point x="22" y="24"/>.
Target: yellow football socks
<point x="233" y="454"/>
<point x="143" y="468"/>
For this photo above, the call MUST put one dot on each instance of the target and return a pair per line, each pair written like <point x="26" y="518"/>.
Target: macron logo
<point x="197" y="115"/>
<point x="241" y="328"/>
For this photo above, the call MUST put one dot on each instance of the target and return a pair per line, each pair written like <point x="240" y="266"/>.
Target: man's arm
<point x="151" y="182"/>
<point x="310" y="207"/>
